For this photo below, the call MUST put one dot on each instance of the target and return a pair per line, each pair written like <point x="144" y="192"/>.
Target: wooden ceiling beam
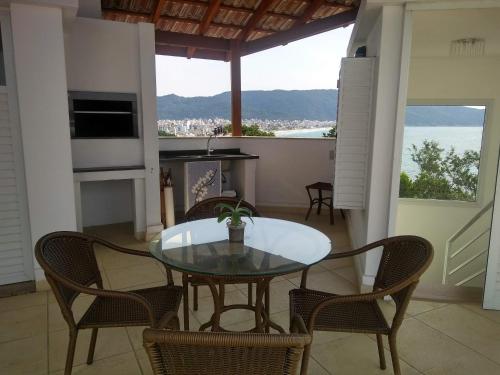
<point x="299" y="32"/>
<point x="157" y="11"/>
<point x="209" y="15"/>
<point x="199" y="54"/>
<point x="257" y="15"/>
<point x="191" y="40"/>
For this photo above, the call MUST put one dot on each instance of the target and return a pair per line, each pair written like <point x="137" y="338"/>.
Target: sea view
<point x="461" y="137"/>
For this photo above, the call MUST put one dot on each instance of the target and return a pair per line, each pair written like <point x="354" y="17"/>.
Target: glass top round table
<point x="271" y="247"/>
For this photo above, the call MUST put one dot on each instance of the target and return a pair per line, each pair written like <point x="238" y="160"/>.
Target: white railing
<point x="462" y="272"/>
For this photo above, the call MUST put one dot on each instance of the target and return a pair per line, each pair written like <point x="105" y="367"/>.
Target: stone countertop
<point x="201" y="155"/>
<point x="109" y="169"/>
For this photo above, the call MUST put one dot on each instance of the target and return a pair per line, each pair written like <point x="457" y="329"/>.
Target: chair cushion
<point x="119" y="312"/>
<point x="356" y="316"/>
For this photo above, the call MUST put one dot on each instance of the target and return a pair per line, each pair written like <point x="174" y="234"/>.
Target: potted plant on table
<point x="233" y="216"/>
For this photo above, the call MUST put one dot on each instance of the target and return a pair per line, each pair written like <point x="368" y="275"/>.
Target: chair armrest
<point x="358" y="251"/>
<point x="124" y="250"/>
<point x="364" y="297"/>
<point x="297" y="324"/>
<point x="346" y="254"/>
<point x="111" y="294"/>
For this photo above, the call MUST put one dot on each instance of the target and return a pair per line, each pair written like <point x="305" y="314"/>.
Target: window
<point x="441" y="152"/>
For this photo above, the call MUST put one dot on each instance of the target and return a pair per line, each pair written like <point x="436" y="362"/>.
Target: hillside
<point x="299" y="105"/>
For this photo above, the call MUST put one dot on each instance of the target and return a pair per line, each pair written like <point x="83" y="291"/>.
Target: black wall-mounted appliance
<point x="102" y="115"/>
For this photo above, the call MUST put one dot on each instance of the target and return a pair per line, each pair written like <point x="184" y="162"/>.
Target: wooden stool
<point x="321" y="200"/>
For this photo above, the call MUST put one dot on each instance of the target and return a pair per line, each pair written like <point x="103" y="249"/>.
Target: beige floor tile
<point x="417" y="307"/>
<point x="123" y="364"/>
<point x="426" y="348"/>
<point x="130" y="277"/>
<point x="144" y="362"/>
<point x="332" y="264"/>
<point x="110" y="342"/>
<point x="205" y="309"/>
<point x="79" y="307"/>
<point x="355" y="354"/>
<point x="314" y="368"/>
<point x="468" y="364"/>
<point x="24" y="300"/>
<point x="329" y="282"/>
<point x="110" y="260"/>
<point x="467" y="327"/>
<point x="493" y="315"/>
<point x="24" y="357"/>
<point x="23" y="323"/>
<point x="347" y="273"/>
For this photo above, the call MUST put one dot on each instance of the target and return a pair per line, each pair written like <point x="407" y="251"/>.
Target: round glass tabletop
<point x="271" y="247"/>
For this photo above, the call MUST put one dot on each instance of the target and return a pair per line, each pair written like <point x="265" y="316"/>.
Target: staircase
<point x="467" y="251"/>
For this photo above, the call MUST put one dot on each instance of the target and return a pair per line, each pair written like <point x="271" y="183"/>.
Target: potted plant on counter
<point x="233" y="216"/>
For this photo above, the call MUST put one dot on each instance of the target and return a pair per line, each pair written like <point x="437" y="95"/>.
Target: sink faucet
<point x="217" y="131"/>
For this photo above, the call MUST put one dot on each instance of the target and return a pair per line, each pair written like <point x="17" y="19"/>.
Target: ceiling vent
<point x="467" y="47"/>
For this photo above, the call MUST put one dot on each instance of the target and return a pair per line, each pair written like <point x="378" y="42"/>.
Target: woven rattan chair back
<point x="404" y="259"/>
<point x="186" y="353"/>
<point x="68" y="256"/>
<point x="206" y="208"/>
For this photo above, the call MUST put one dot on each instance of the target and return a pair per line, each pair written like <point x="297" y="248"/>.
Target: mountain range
<point x="320" y="105"/>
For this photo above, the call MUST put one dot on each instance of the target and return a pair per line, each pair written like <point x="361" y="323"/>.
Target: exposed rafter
<point x="295" y="33"/>
<point x="309" y="12"/>
<point x="199" y="54"/>
<point x="209" y="15"/>
<point x="157" y="11"/>
<point x="257" y="15"/>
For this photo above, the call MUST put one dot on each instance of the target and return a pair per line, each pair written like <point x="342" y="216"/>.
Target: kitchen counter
<point x="201" y="155"/>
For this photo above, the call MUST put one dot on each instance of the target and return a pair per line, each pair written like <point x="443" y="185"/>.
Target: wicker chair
<point x="222" y="353"/>
<point x="404" y="260"/>
<point x="204" y="210"/>
<point x="70" y="266"/>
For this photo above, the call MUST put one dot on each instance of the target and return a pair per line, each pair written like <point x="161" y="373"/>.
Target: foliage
<point x="448" y="177"/>
<point x="233" y="214"/>
<point x="163" y="133"/>
<point x="332" y="133"/>
<point x="250" y="131"/>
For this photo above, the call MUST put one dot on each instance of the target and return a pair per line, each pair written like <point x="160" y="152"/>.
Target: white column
<point x="38" y="40"/>
<point x="384" y="117"/>
<point x="150" y="128"/>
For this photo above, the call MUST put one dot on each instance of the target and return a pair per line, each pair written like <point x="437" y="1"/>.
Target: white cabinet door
<point x="16" y="253"/>
<point x="353" y="133"/>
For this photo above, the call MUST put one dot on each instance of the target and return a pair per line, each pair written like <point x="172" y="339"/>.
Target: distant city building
<point x="204" y="127"/>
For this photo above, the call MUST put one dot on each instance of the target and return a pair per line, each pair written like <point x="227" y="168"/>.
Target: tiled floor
<point x="436" y="338"/>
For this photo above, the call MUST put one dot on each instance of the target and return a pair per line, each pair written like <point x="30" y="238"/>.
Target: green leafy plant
<point x="331" y="133"/>
<point x="442" y="175"/>
<point x="232" y="214"/>
<point x="252" y="130"/>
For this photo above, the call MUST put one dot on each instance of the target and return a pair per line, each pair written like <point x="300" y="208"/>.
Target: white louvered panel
<point x="9" y="253"/>
<point x="353" y="133"/>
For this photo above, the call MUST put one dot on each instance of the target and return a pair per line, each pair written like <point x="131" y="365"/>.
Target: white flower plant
<point x="200" y="188"/>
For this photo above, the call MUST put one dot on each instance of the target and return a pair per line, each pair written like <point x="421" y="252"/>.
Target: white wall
<point x="105" y="202"/>
<point x="443" y="79"/>
<point x="42" y="95"/>
<point x="285" y="165"/>
<point x="103" y="56"/>
<point x="106" y="56"/>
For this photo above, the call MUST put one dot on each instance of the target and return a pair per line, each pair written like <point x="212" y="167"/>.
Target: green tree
<point x="253" y="130"/>
<point x="163" y="133"/>
<point x="332" y="133"/>
<point x="448" y="177"/>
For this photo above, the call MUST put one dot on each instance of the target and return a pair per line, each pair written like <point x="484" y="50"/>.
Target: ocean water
<point x="460" y="137"/>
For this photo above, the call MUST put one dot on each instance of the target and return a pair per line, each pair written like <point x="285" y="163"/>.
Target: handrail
<point x="457" y="234"/>
<point x="474" y="218"/>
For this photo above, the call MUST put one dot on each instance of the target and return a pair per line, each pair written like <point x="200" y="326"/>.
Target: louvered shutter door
<point x="16" y="255"/>
<point x="353" y="133"/>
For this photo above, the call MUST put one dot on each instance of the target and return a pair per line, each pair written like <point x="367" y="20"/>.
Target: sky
<point x="311" y="63"/>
